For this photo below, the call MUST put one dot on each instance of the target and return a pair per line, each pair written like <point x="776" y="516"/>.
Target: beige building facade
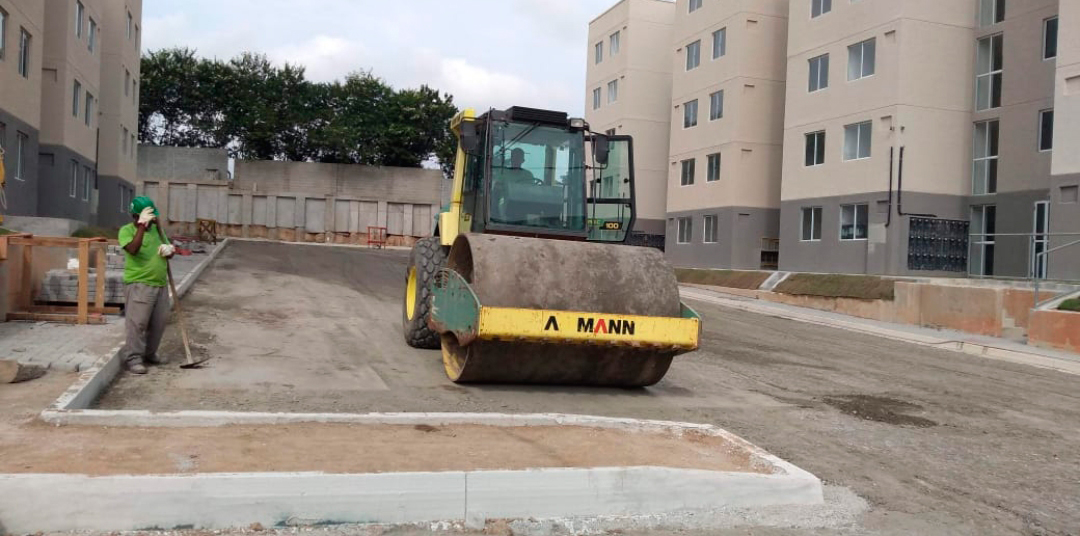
<point x="58" y="74"/>
<point x="727" y="110"/>
<point x="120" y="77"/>
<point x="1065" y="164"/>
<point x="628" y="92"/>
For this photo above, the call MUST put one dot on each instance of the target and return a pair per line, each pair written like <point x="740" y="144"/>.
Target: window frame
<point x="817" y="214"/>
<point x="73" y="181"/>
<point x="722" y="34"/>
<point x="130" y="23"/>
<point x="869" y="125"/>
<point x="694" y="5"/>
<point x="3" y="33"/>
<point x="855" y="222"/>
<point x="1042" y="130"/>
<point x="86" y="183"/>
<point x="598" y="53"/>
<point x="713" y="116"/>
<point x="91" y="36"/>
<point x="997" y="13"/>
<point x="862" y="46"/>
<point x="821" y="86"/>
<point x="713" y="164"/>
<point x="995" y="77"/>
<point x="88" y="109"/>
<point x="818" y="150"/>
<point x="613" y="91"/>
<point x="822" y="7"/>
<point x="1046" y="34"/>
<point x="710" y="224"/>
<point x="21" y="141"/>
<point x="696" y="46"/>
<point x="992" y="160"/>
<point x="25" y="41"/>
<point x="687" y="171"/>
<point x="690" y="120"/>
<point x="80" y="15"/>
<point x="679" y="228"/>
<point x="76" y="98"/>
<point x="596" y="98"/>
<point x="615" y="43"/>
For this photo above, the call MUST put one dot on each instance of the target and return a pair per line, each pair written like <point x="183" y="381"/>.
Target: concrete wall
<point x="182" y="163"/>
<point x="118" y="141"/>
<point x="304" y="202"/>
<point x="20" y="104"/>
<point x="1065" y="167"/>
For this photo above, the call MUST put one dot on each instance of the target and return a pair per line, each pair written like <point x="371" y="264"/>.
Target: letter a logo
<point x="552" y="324"/>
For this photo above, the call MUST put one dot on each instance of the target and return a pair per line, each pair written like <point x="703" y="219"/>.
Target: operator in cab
<point x="146" y="298"/>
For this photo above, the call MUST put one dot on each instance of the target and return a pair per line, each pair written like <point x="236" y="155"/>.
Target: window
<point x="815" y="148"/>
<point x="24" y="53"/>
<point x="76" y="98"/>
<point x="710" y="224"/>
<point x="1046" y="130"/>
<point x="695" y="5"/>
<point x="135" y="91"/>
<point x="89" y="109"/>
<point x="693" y="55"/>
<point x="73" y="181"/>
<point x="991" y="12"/>
<point x="853" y="221"/>
<point x="690" y="114"/>
<point x="988" y="72"/>
<point x="21" y="142"/>
<point x="857" y="140"/>
<point x="124" y="139"/>
<point x="80" y="12"/>
<point x="861" y="59"/>
<point x="92" y="41"/>
<point x="1040" y="240"/>
<point x="716" y="105"/>
<point x="686" y="230"/>
<point x="596" y="99"/>
<point x="612" y="91"/>
<point x="130" y="21"/>
<point x="811" y="224"/>
<point x="134" y="143"/>
<point x="127" y="82"/>
<point x="719" y="43"/>
<point x="87" y="176"/>
<point x="687" y="175"/>
<point x="1050" y="38"/>
<point x="3" y="33"/>
<point x="984" y="179"/>
<point x="712" y="173"/>
<point x="983" y="228"/>
<point x="819" y="73"/>
<point x="598" y="52"/>
<point x="819" y="8"/>
<point x="613" y="43"/>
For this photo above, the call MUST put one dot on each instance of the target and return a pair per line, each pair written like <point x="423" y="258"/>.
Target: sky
<point x="486" y="53"/>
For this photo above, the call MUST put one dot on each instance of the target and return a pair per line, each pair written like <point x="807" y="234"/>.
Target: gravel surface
<point x="936" y="442"/>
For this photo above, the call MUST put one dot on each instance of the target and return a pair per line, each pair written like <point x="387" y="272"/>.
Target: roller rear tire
<point x="427" y="257"/>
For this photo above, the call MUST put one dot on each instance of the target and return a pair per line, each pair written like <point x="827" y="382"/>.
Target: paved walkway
<point x="991" y="347"/>
<point x="69" y="347"/>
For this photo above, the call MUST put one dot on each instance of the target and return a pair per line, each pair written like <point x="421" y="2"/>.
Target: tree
<point x="260" y="111"/>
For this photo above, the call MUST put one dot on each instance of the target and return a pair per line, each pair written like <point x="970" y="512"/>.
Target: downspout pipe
<point x="900" y="192"/>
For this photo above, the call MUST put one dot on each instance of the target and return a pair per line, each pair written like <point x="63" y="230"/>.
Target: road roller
<point x="528" y="276"/>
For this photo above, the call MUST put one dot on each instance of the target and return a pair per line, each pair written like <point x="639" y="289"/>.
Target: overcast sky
<point x="487" y="53"/>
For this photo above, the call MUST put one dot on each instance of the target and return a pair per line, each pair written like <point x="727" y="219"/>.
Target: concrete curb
<point x="30" y="503"/>
<point x="96" y="379"/>
<point x="323" y="244"/>
<point x="966" y="347"/>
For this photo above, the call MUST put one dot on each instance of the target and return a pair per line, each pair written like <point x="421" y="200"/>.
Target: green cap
<point x="140" y="204"/>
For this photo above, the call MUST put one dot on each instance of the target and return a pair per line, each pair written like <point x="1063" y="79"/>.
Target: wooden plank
<point x="84" y="280"/>
<point x="5" y="241"/>
<point x="26" y="294"/>
<point x="71" y="309"/>
<point x="54" y="241"/>
<point x="46" y="317"/>
<point x="99" y="289"/>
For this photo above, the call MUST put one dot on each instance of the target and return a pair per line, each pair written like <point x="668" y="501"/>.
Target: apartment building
<point x="1064" y="204"/>
<point x="22" y="26"/>
<point x="727" y="111"/>
<point x="628" y="92"/>
<point x="60" y="67"/>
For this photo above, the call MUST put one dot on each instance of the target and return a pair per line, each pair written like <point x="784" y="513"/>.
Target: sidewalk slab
<point x="991" y="347"/>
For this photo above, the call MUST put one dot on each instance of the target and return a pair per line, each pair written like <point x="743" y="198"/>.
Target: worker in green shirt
<point x="146" y="298"/>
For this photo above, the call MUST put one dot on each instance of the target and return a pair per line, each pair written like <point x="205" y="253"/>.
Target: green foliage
<point x="5" y="231"/>
<point x="863" y="287"/>
<point x="259" y="111"/>
<point x="743" y="279"/>
<point x="96" y="232"/>
<point x="1071" y="304"/>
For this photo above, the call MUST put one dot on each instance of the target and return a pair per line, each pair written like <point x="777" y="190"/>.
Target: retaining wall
<point x="1055" y="329"/>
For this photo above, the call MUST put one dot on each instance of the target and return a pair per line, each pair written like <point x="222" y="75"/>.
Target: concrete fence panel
<point x="421" y="220"/>
<point x="315" y="215"/>
<point x="178" y="194"/>
<point x="285" y="212"/>
<point x="395" y="219"/>
<point x="236" y="203"/>
<point x="258" y="210"/>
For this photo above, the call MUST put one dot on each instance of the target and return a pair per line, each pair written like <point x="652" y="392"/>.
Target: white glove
<point x="166" y="250"/>
<point x="146" y="216"/>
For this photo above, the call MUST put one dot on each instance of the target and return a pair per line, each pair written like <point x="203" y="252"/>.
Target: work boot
<point x="156" y="360"/>
<point x="135" y="367"/>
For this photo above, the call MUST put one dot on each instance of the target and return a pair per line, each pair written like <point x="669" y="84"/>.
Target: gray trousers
<point x="146" y="310"/>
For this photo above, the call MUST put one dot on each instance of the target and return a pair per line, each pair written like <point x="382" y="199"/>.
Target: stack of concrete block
<point x="63" y="286"/>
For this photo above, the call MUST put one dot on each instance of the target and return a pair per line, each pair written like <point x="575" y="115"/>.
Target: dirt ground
<point x="938" y="442"/>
